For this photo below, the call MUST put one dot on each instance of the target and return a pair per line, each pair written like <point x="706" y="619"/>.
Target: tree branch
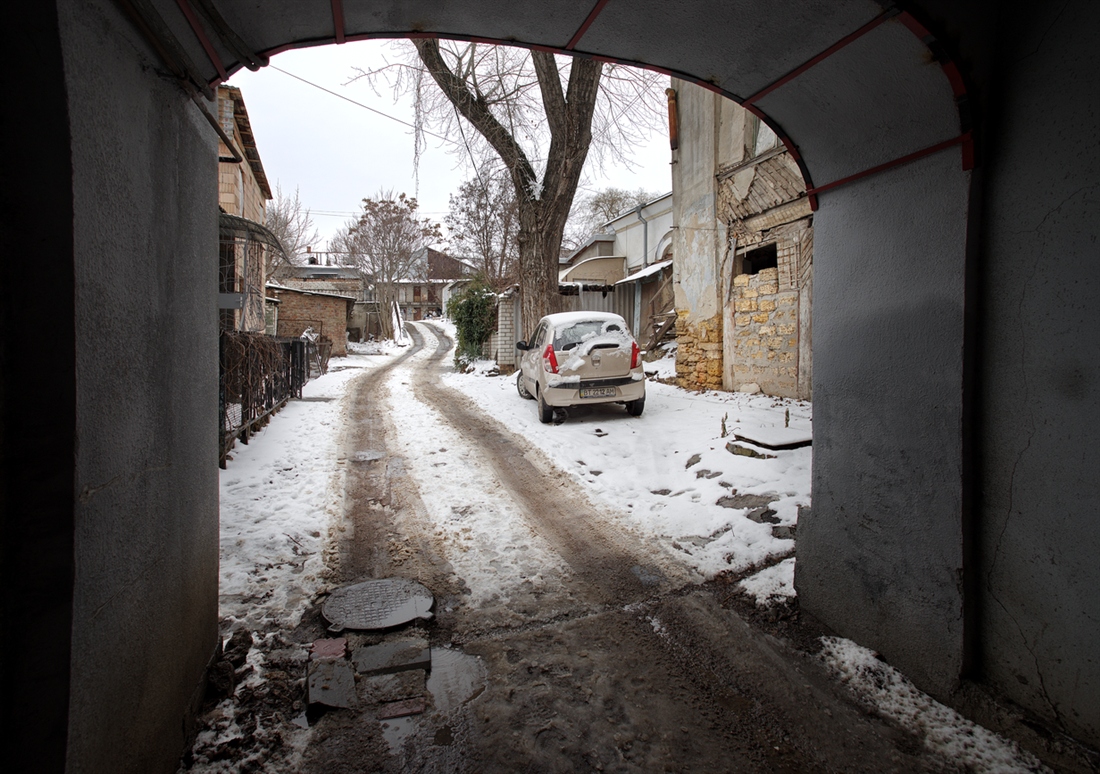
<point x="476" y="111"/>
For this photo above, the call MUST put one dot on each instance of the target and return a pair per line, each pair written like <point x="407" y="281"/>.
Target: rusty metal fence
<point x="257" y="375"/>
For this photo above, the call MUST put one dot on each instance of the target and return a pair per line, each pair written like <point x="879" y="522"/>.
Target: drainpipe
<point x="645" y="262"/>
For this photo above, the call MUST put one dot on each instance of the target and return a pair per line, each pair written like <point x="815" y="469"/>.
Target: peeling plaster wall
<point x="698" y="242"/>
<point x="699" y="236"/>
<point x="145" y="199"/>
<point x="1040" y="387"/>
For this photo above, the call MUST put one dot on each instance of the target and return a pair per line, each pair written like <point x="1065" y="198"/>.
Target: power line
<point x="360" y="104"/>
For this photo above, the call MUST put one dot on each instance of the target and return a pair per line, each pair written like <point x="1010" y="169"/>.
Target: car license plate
<point x="598" y="392"/>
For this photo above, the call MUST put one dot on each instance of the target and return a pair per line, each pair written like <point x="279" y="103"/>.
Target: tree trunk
<point x="542" y="224"/>
<point x="543" y="207"/>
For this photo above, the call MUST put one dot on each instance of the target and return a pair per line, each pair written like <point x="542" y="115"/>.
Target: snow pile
<point x="279" y="496"/>
<point x="665" y="473"/>
<point x="378" y="347"/>
<point x="773" y="584"/>
<point x="944" y="731"/>
<point x="665" y="368"/>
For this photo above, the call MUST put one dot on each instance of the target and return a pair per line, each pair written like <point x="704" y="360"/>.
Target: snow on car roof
<point x="569" y="318"/>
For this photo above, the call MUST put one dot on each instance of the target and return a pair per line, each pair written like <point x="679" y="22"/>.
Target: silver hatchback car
<point x="578" y="358"/>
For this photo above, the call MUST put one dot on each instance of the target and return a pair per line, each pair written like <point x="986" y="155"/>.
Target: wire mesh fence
<point x="258" y="374"/>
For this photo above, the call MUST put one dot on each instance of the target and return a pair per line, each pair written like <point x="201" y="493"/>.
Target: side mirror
<point x="522" y="346"/>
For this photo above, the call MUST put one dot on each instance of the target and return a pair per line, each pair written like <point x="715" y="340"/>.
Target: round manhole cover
<point x="377" y="604"/>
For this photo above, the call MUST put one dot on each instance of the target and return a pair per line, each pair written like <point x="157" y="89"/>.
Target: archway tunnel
<point x="951" y="155"/>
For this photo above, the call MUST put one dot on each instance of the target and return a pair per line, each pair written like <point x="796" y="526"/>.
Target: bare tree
<point x="291" y="223"/>
<point x="592" y="212"/>
<point x="540" y="115"/>
<point x="483" y="226"/>
<point x="384" y="243"/>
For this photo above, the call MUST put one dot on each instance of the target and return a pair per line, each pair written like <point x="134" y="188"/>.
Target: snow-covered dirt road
<point x="585" y="578"/>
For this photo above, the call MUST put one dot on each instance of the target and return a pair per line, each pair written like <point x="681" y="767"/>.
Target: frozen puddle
<point x="456" y="679"/>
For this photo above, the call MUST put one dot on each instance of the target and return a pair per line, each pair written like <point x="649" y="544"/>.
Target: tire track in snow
<point x="607" y="567"/>
<point x="504" y="565"/>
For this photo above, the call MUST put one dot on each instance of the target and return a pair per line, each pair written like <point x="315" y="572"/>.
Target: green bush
<point x="474" y="312"/>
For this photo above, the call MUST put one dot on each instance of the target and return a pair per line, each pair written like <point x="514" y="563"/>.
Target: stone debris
<point x="745" y="451"/>
<point x="328" y="649"/>
<point x="236" y="650"/>
<point x="762" y="516"/>
<point x="332" y="683"/>
<point x="735" y="500"/>
<point x="393" y="656"/>
<point x="694" y="459"/>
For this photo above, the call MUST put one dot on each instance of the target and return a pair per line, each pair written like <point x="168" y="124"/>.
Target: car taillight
<point x="635" y="354"/>
<point x="549" y="360"/>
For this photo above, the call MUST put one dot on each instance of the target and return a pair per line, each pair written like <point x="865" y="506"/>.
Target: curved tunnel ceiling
<point x="851" y="86"/>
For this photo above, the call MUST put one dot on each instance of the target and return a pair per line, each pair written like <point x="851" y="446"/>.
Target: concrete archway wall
<point x="942" y="525"/>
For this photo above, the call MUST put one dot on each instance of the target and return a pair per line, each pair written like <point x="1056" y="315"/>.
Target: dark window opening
<point x="755" y="261"/>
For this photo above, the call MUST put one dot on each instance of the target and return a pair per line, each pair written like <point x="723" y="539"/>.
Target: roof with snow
<point x="648" y="271"/>
<point x="274" y="286"/>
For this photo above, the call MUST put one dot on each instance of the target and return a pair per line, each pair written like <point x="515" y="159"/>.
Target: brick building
<point x="743" y="255"/>
<point x="326" y="314"/>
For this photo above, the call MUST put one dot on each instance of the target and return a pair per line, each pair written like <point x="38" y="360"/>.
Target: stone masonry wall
<point x="765" y="340"/>
<point x="699" y="352"/>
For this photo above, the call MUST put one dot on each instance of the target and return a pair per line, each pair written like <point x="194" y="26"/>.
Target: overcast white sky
<point x="337" y="153"/>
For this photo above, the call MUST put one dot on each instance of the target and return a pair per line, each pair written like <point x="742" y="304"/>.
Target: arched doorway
<point x="898" y="552"/>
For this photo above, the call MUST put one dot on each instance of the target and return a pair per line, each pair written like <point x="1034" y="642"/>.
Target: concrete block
<point x="379" y="689"/>
<point x="394" y="656"/>
<point x="400" y="709"/>
<point x="331" y="683"/>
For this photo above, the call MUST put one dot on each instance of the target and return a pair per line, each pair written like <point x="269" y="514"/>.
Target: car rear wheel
<point x="523" y="393"/>
<point x="546" y="413"/>
<point x="635" y="407"/>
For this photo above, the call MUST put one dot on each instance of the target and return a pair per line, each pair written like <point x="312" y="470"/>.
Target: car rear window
<point x="569" y="336"/>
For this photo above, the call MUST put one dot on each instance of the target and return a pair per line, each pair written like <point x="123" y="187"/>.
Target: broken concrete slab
<point x="393" y="656"/>
<point x="328" y="649"/>
<point x="775" y="437"/>
<point x="380" y="689"/>
<point x="377" y="604"/>
<point x="331" y="683"/>
<point x="400" y="709"/>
